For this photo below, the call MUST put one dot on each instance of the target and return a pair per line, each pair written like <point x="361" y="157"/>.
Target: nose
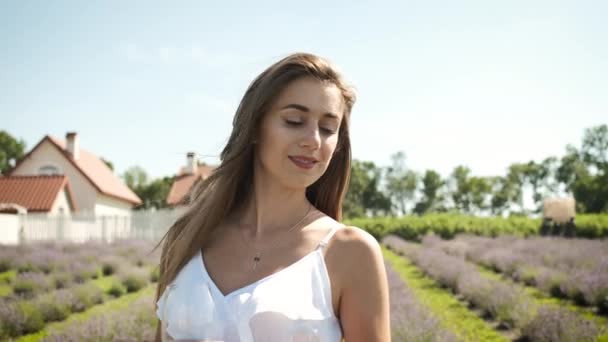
<point x="311" y="138"/>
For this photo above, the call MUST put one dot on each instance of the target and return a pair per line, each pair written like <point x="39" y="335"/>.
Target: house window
<point x="48" y="170"/>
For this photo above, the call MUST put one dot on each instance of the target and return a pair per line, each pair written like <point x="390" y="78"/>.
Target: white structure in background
<point x="100" y="203"/>
<point x="10" y="223"/>
<point x="42" y="196"/>
<point x="96" y="188"/>
<point x="559" y="210"/>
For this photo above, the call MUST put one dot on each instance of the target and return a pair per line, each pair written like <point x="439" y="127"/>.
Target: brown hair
<point x="232" y="181"/>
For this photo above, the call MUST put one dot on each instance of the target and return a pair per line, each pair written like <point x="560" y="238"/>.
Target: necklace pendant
<point x="256" y="259"/>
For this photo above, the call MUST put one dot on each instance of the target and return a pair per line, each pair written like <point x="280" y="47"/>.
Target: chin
<point x="301" y="183"/>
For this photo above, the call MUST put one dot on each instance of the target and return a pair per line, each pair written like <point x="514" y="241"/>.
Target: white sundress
<point x="292" y="305"/>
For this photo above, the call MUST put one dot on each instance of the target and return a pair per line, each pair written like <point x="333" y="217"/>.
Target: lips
<point x="303" y="162"/>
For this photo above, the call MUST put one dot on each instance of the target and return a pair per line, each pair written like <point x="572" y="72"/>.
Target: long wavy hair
<point x="231" y="183"/>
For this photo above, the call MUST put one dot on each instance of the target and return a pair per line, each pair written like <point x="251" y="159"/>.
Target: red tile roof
<point x="184" y="182"/>
<point x="94" y="170"/>
<point x="35" y="193"/>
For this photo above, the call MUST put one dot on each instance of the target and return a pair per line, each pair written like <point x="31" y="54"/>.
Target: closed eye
<point x="293" y="123"/>
<point x="328" y="131"/>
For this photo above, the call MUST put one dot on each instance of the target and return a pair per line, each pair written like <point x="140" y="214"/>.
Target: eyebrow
<point x="307" y="110"/>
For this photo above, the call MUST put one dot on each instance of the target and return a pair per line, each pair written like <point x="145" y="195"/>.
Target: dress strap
<point x="327" y="237"/>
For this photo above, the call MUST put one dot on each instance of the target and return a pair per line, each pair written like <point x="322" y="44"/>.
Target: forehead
<point x="320" y="97"/>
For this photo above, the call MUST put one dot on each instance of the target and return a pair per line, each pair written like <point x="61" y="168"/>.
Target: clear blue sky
<point x="481" y="83"/>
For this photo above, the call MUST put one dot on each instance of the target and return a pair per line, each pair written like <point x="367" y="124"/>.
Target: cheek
<point x="269" y="151"/>
<point x="269" y="135"/>
<point x="271" y="146"/>
<point x="328" y="148"/>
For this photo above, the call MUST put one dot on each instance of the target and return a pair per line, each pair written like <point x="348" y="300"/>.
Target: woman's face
<point x="299" y="134"/>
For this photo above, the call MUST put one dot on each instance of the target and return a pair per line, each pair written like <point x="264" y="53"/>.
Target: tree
<point x="461" y="188"/>
<point x="595" y="154"/>
<point x="431" y="196"/>
<point x="410" y="185"/>
<point x="481" y="190"/>
<point x="135" y="177"/>
<point x="401" y="183"/>
<point x="502" y="192"/>
<point x="516" y="180"/>
<point x="571" y="168"/>
<point x="550" y="183"/>
<point x="594" y="149"/>
<point x="11" y="150"/>
<point x="584" y="172"/>
<point x="152" y="194"/>
<point x="537" y="175"/>
<point x="469" y="193"/>
<point x="364" y="196"/>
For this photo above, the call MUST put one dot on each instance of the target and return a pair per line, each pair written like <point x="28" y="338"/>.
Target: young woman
<point x="260" y="255"/>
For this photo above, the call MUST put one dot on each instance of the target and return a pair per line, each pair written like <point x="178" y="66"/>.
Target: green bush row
<point x="449" y="225"/>
<point x="591" y="226"/>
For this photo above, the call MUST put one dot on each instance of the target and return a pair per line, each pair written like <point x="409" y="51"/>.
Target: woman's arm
<point x="364" y="299"/>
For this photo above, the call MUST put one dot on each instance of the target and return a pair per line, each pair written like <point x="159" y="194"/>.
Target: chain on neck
<point x="258" y="253"/>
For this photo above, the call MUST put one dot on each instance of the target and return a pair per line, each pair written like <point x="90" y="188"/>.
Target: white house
<point x="94" y="187"/>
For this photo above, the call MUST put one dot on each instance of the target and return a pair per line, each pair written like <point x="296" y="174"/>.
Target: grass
<point x="104" y="283"/>
<point x="111" y="305"/>
<point x="7" y="276"/>
<point x="5" y="280"/>
<point x="453" y="314"/>
<point x="5" y="290"/>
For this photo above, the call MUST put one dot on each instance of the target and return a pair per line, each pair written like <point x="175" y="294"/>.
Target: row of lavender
<point x="410" y="320"/>
<point x="506" y="303"/>
<point x="53" y="281"/>
<point x="565" y="268"/>
<point x="45" y="267"/>
<point x="135" y="323"/>
<point x="73" y="258"/>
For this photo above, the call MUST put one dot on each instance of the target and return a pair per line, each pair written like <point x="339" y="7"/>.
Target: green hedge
<point x="592" y="225"/>
<point x="448" y="225"/>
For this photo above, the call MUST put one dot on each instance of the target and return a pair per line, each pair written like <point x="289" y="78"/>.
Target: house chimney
<point x="191" y="167"/>
<point x="72" y="145"/>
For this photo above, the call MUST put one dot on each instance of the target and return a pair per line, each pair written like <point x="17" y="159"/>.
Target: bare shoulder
<point x="354" y="239"/>
<point x="357" y="253"/>
<point x="364" y="301"/>
<point x="349" y="239"/>
<point x="350" y="250"/>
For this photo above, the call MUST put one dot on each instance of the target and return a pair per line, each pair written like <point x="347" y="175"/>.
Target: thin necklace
<point x="258" y="253"/>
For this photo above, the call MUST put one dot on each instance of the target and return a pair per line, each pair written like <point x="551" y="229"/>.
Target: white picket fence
<point x="24" y="228"/>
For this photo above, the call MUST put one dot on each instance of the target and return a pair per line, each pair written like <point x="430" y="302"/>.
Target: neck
<point x="272" y="209"/>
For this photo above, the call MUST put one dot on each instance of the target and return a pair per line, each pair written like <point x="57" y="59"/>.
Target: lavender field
<point x="576" y="269"/>
<point x="78" y="292"/>
<point x="465" y="289"/>
<point x="487" y="275"/>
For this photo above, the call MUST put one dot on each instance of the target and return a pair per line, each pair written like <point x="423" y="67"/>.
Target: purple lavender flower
<point x="410" y="320"/>
<point x="556" y="324"/>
